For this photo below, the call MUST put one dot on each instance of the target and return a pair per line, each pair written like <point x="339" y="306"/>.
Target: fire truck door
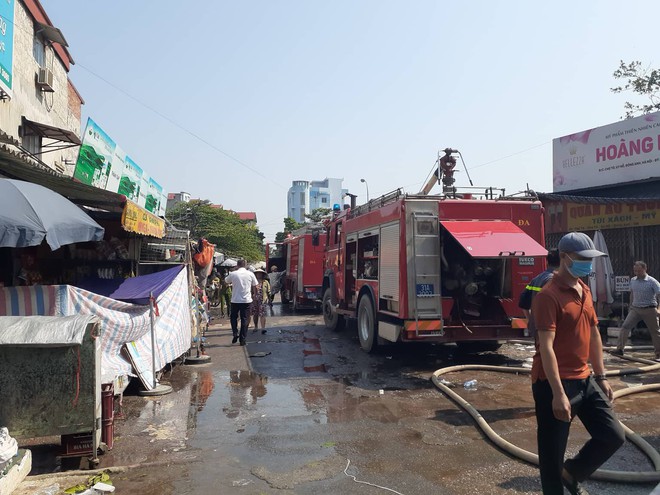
<point x="423" y="260"/>
<point x="301" y="257"/>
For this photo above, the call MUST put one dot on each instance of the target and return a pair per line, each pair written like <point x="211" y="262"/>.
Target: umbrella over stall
<point x="30" y="213"/>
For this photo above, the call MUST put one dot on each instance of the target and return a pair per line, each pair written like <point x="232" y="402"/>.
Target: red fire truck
<point x="301" y="257"/>
<point x="443" y="268"/>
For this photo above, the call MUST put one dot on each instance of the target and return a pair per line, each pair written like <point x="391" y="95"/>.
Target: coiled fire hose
<point x="601" y="474"/>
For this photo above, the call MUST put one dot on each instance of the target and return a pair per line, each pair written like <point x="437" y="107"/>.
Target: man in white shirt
<point x="243" y="287"/>
<point x="644" y="298"/>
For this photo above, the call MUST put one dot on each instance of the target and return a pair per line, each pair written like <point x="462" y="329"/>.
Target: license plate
<point x="425" y="290"/>
<point x="526" y="261"/>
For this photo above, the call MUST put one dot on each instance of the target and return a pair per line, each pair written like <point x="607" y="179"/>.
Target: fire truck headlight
<point x="471" y="289"/>
<point x="478" y="270"/>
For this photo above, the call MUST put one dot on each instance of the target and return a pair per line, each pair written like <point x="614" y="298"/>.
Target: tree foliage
<point x="223" y="228"/>
<point x="289" y="226"/>
<point x="318" y="214"/>
<point x="642" y="81"/>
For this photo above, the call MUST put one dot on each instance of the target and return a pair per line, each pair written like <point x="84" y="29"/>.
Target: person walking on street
<point x="260" y="300"/>
<point x="244" y="284"/>
<point x="644" y="298"/>
<point x="562" y="384"/>
<point x="225" y="294"/>
<point x="275" y="279"/>
<point x="534" y="287"/>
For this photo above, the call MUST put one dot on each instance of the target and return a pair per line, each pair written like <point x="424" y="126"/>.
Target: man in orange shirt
<point x="562" y="383"/>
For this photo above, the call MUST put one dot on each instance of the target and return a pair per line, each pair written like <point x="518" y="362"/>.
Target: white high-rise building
<point x="306" y="196"/>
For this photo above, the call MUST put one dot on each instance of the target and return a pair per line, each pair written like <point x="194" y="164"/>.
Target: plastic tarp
<point x="124" y="325"/>
<point x="133" y="290"/>
<point x="44" y="331"/>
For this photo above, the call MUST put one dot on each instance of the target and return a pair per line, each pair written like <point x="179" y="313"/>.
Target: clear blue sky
<point x="303" y="90"/>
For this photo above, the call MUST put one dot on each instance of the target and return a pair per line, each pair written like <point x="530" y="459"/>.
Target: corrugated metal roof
<point x="648" y="190"/>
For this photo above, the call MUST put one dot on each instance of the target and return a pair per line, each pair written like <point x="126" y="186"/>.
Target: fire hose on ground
<point x="508" y="447"/>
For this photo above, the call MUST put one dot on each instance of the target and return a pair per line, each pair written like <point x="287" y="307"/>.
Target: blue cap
<point x="579" y="243"/>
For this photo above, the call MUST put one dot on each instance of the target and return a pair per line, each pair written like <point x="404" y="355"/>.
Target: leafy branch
<point x="642" y="81"/>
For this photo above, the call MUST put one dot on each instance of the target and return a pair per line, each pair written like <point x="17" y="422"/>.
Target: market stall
<point x="124" y="318"/>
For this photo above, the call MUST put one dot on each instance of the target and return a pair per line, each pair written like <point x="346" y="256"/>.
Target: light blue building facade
<point x="306" y="196"/>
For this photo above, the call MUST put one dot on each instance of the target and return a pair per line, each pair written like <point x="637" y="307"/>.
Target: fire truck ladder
<point x="426" y="267"/>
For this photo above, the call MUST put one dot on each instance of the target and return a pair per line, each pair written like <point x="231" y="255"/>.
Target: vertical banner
<point x="6" y="46"/>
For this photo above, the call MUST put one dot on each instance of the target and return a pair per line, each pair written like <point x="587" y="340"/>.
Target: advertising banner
<point x="103" y="164"/>
<point x="565" y="216"/>
<point x="625" y="151"/>
<point x="6" y="45"/>
<point x="131" y="181"/>
<point x="154" y="196"/>
<point x="95" y="157"/>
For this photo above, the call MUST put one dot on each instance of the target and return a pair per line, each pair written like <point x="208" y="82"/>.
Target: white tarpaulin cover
<point x="44" y="331"/>
<point x="601" y="278"/>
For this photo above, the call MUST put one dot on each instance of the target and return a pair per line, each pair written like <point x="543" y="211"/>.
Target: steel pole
<point x="153" y="335"/>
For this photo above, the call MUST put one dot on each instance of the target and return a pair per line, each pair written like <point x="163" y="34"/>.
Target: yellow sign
<point x="138" y="220"/>
<point x="580" y="216"/>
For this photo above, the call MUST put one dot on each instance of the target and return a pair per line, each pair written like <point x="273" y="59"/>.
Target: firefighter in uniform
<point x="535" y="286"/>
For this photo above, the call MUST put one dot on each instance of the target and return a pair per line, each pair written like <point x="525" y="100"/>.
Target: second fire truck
<point x="443" y="268"/>
<point x="300" y="257"/>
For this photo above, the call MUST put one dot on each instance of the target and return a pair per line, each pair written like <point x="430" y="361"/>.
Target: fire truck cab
<point x="445" y="268"/>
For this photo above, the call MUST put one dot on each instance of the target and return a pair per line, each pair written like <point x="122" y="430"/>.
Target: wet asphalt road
<point x="290" y="411"/>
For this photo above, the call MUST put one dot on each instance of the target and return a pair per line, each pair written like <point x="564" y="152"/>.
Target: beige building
<point x="41" y="112"/>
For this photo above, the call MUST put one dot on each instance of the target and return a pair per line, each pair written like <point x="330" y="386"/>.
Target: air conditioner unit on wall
<point x="45" y="79"/>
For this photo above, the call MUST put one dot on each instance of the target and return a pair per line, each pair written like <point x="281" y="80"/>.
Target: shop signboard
<point x="102" y="163"/>
<point x="566" y="216"/>
<point x="622" y="283"/>
<point x="6" y="46"/>
<point x="138" y="220"/>
<point x="626" y="151"/>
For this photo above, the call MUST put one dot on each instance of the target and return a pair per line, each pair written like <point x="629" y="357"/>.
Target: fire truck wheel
<point x="366" y="323"/>
<point x="331" y="318"/>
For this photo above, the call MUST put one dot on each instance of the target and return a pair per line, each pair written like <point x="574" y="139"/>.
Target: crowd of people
<point x="244" y="294"/>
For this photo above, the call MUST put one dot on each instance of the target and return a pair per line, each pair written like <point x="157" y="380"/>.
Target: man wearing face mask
<point x="562" y="383"/>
